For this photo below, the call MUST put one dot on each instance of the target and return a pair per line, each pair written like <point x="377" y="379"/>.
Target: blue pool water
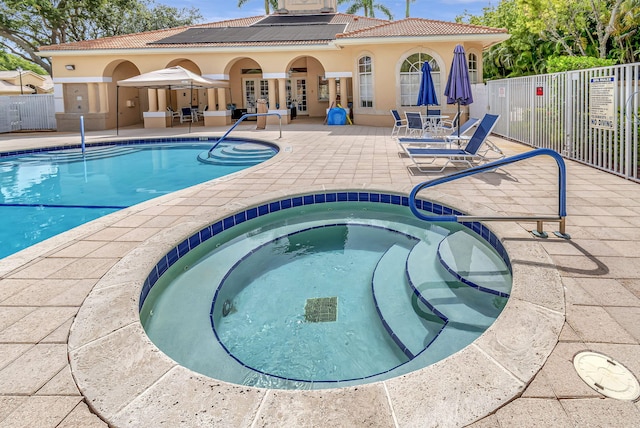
<point x="325" y="295"/>
<point x="44" y="193"/>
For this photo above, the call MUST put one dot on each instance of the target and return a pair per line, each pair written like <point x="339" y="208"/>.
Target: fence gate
<point x="27" y="113"/>
<point x="590" y="116"/>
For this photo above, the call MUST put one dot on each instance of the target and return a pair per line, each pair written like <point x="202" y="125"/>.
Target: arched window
<point x="365" y="79"/>
<point x="410" y="74"/>
<point x="473" y="68"/>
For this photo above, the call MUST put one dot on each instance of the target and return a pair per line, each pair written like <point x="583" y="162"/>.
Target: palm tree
<point x="268" y="5"/>
<point x="367" y="6"/>
<point x="407" y="12"/>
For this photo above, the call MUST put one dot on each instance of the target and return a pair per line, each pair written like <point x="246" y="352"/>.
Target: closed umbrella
<point x="458" y="89"/>
<point x="427" y="93"/>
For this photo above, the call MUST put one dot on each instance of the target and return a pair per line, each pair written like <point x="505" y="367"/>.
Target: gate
<point x="590" y="116"/>
<point x="27" y="113"/>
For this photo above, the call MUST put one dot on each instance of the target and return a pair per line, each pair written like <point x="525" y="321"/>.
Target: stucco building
<point x="306" y="54"/>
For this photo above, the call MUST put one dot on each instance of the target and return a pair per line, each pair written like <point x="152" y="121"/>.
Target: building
<point x="25" y="82"/>
<point x="305" y="55"/>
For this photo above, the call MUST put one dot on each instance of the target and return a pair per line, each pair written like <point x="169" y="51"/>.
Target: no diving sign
<point x="602" y="102"/>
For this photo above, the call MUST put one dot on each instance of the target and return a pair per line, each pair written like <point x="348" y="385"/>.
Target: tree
<point x="268" y="5"/>
<point x="25" y="25"/>
<point x="407" y="10"/>
<point x="368" y="7"/>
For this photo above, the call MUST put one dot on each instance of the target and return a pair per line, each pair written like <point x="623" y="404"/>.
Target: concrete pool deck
<point x="45" y="288"/>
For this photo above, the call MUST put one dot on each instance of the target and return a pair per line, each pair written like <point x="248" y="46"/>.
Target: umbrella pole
<point x="191" y="101"/>
<point x="458" y="120"/>
<point x="117" y="108"/>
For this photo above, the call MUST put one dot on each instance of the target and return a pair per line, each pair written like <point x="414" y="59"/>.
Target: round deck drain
<point x="607" y="376"/>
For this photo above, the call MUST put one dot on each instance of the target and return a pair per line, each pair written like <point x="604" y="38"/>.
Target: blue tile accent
<point x="374" y="197"/>
<point x="217" y="227"/>
<point x="308" y="200"/>
<point x="172" y="256"/>
<point x="228" y="223"/>
<point x="352" y="197"/>
<point x="285" y="204"/>
<point x="274" y="206"/>
<point x="363" y="197"/>
<point x="385" y="199"/>
<point x="297" y="201"/>
<point x="319" y="199"/>
<point x="240" y="218"/>
<point x="263" y="209"/>
<point x="194" y="241"/>
<point x="332" y="197"/>
<point x="252" y="213"/>
<point x="342" y="197"/>
<point x="183" y="248"/>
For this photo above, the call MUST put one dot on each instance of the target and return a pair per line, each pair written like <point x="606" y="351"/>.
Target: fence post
<point x="82" y="133"/>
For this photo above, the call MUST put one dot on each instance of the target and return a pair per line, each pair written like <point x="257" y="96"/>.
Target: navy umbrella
<point x="427" y="93"/>
<point x="458" y="89"/>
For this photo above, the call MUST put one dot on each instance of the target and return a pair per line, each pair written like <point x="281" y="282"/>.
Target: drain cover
<point x="606" y="376"/>
<point x="323" y="309"/>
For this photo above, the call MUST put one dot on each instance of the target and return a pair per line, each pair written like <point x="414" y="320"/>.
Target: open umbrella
<point x="427" y="93"/>
<point x="458" y="89"/>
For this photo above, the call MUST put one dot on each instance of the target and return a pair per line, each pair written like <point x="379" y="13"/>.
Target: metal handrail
<point x="243" y="117"/>
<point x="562" y="193"/>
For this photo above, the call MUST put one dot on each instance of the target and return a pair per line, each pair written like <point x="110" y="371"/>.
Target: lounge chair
<point x="469" y="155"/>
<point x="399" y="123"/>
<point x="186" y="114"/>
<point x="448" y="139"/>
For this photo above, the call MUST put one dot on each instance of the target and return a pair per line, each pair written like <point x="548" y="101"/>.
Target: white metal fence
<point x="590" y="116"/>
<point x="27" y="113"/>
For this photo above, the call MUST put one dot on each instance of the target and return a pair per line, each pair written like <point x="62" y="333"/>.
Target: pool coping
<point x="127" y="381"/>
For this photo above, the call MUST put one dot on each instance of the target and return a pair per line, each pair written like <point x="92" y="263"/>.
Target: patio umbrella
<point x="427" y="93"/>
<point x="458" y="89"/>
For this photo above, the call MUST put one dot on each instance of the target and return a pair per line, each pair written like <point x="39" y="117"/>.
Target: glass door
<point x="297" y="93"/>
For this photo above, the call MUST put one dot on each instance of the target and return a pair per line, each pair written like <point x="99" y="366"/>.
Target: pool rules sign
<point x="601" y="102"/>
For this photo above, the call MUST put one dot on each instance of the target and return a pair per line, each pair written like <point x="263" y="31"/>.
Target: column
<point x="211" y="99"/>
<point x="332" y="91"/>
<point x="103" y="91"/>
<point x="222" y="99"/>
<point x="162" y="99"/>
<point x="272" y="94"/>
<point x="152" y="94"/>
<point x="344" y="91"/>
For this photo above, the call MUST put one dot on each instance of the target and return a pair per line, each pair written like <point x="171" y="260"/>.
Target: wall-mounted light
<point x="70" y="67"/>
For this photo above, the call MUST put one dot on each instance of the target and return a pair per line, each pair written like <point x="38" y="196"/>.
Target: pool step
<point x="411" y="328"/>
<point x="475" y="264"/>
<point x="466" y="307"/>
<point x="237" y="154"/>
<point x="74" y="155"/>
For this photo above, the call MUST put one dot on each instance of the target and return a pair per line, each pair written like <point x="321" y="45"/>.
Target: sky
<point x="445" y="10"/>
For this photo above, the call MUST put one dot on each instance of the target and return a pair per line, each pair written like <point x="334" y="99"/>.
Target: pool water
<point x="48" y="192"/>
<point x="325" y="296"/>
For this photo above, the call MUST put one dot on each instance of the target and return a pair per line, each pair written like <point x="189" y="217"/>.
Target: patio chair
<point x="186" y="114"/>
<point x="447" y="125"/>
<point x="469" y="155"/>
<point x="398" y="124"/>
<point x="447" y="139"/>
<point x="174" y="114"/>
<point x="415" y="125"/>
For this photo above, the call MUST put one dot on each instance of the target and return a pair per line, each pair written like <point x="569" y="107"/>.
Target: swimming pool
<point x="324" y="290"/>
<point x="46" y="192"/>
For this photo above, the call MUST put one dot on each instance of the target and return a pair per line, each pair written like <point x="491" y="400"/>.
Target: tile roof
<point x="419" y="27"/>
<point x="356" y="27"/>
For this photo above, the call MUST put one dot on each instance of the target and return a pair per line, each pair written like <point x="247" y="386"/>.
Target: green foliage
<point x="12" y="62"/>
<point x="556" y="64"/>
<point x="368" y="7"/>
<point x="25" y="25"/>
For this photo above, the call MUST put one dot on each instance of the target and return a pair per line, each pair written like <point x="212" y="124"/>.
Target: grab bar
<point x="562" y="194"/>
<point x="243" y="117"/>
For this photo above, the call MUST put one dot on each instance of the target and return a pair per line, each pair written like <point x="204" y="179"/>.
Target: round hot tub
<point x="325" y="290"/>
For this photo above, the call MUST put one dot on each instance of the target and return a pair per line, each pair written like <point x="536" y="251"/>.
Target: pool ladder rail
<point x="540" y="220"/>
<point x="243" y="117"/>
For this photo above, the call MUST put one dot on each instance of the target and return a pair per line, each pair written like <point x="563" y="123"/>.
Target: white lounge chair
<point x="470" y="155"/>
<point x="447" y="140"/>
<point x="398" y="124"/>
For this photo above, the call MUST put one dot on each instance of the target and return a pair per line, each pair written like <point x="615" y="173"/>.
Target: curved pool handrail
<point x="243" y="117"/>
<point x="562" y="191"/>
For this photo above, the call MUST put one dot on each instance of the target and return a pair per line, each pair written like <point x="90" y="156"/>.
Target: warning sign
<point x="602" y="102"/>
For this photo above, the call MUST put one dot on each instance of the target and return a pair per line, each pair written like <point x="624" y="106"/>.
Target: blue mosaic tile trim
<point x="140" y="141"/>
<point x="183" y="248"/>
